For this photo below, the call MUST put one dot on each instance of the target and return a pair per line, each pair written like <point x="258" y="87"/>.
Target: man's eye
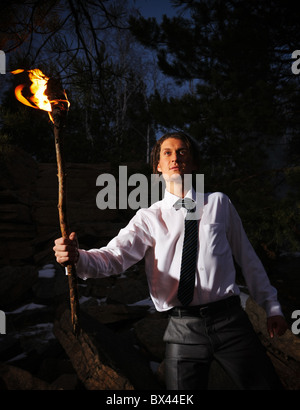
<point x="182" y="152"/>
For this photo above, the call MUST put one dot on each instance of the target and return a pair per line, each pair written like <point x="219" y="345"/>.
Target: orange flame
<point x="38" y="99"/>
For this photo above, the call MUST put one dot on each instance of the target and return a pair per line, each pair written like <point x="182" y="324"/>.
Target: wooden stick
<point x="60" y="106"/>
<point x="62" y="210"/>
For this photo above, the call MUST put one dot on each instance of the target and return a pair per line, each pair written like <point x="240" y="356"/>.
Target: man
<point x="207" y="321"/>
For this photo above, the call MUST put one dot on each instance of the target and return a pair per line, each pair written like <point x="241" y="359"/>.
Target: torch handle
<point x="74" y="302"/>
<point x="62" y="210"/>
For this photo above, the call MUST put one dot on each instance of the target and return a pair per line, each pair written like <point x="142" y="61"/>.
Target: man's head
<point x="174" y="153"/>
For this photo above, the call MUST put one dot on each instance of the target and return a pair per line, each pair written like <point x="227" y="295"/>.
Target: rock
<point x="150" y="331"/>
<point x="18" y="172"/>
<point x="52" y="289"/>
<point x="16" y="282"/>
<point x="53" y="363"/>
<point x="28" y="316"/>
<point x="15" y="213"/>
<point x="10" y="196"/>
<point x="14" y="378"/>
<point x="108" y="314"/>
<point x="9" y="347"/>
<point x="98" y="288"/>
<point x="66" y="382"/>
<point x="16" y="252"/>
<point x="284" y="351"/>
<point x="128" y="290"/>
<point x="102" y="360"/>
<point x="28" y="207"/>
<point x="17" y="187"/>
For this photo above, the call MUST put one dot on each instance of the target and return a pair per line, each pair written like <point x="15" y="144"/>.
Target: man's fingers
<point x="276" y="326"/>
<point x="270" y="331"/>
<point x="73" y="236"/>
<point x="66" y="249"/>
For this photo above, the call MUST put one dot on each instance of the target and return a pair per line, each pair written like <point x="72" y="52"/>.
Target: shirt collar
<point x="170" y="199"/>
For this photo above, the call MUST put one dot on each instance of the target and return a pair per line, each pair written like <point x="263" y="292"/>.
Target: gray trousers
<point x="192" y="343"/>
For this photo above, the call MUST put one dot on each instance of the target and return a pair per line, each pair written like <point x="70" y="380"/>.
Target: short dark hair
<point x="191" y="145"/>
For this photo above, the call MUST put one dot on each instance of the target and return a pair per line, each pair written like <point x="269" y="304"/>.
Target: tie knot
<point x="186" y="203"/>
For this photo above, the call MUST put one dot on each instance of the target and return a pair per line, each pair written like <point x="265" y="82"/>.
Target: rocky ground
<point x="121" y="305"/>
<point x="120" y="345"/>
<point x="38" y="350"/>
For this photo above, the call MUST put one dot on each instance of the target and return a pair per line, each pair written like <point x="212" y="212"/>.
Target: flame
<point x="38" y="99"/>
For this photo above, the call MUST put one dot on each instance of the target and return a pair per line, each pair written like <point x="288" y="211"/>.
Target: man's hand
<point x="276" y="325"/>
<point x="66" y="250"/>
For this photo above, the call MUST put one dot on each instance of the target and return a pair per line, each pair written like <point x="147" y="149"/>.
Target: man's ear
<point x="158" y="168"/>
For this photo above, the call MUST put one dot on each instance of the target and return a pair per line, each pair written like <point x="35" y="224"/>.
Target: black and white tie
<point x="189" y="252"/>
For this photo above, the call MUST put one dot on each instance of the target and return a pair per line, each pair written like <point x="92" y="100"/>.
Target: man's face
<point x="175" y="159"/>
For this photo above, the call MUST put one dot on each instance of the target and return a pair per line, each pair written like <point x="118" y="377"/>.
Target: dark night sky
<point x="154" y="8"/>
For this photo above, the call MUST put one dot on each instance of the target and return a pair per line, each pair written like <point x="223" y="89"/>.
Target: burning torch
<point x="46" y="94"/>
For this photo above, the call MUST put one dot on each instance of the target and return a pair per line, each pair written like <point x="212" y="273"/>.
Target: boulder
<point x="17" y="190"/>
<point x="150" y="331"/>
<point x="130" y="289"/>
<point x="102" y="359"/>
<point x="50" y="290"/>
<point x="18" y="172"/>
<point x="16" y="283"/>
<point x="284" y="351"/>
<point x="109" y="314"/>
<point x="14" y="378"/>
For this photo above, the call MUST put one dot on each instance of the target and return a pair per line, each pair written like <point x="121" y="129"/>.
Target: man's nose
<point x="174" y="157"/>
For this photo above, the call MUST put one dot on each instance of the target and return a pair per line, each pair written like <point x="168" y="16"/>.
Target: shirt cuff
<point x="273" y="309"/>
<point x="82" y="264"/>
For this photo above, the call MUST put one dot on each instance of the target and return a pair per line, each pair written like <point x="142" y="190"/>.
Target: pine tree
<point x="241" y="103"/>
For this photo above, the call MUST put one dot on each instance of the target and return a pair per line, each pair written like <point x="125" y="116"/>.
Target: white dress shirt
<point x="157" y="234"/>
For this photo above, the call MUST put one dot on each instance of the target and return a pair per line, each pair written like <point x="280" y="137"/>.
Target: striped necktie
<point x="189" y="253"/>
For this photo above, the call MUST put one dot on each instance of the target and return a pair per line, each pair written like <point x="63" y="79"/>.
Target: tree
<point x="243" y="107"/>
<point x="59" y="30"/>
<point x="88" y="45"/>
